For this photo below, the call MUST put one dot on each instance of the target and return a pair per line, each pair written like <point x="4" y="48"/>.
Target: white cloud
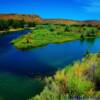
<point x="92" y="6"/>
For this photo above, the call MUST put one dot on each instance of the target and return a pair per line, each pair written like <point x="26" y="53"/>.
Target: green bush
<point x="78" y="86"/>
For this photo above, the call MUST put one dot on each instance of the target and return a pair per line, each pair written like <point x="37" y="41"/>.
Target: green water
<point x="13" y="87"/>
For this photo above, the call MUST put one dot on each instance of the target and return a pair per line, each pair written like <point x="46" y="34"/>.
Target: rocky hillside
<point x="27" y="18"/>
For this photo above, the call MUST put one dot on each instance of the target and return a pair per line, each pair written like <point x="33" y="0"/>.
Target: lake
<point x="21" y="67"/>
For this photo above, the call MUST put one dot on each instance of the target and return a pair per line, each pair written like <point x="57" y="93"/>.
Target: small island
<point x="45" y="34"/>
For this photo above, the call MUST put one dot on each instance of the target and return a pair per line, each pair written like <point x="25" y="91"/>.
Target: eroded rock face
<point x="27" y="18"/>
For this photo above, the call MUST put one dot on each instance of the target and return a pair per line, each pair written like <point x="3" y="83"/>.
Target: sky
<point x="52" y="9"/>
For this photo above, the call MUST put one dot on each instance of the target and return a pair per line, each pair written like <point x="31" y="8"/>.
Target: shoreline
<point x="13" y="30"/>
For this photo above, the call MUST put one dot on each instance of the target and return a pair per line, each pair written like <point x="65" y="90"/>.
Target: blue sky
<point x="66" y="9"/>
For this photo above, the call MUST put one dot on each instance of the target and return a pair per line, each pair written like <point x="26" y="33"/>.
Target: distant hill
<point x="59" y="21"/>
<point x="62" y="21"/>
<point x="93" y="22"/>
<point x="27" y="18"/>
<point x="38" y="19"/>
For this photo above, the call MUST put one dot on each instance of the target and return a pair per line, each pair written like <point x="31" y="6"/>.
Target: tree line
<point x="8" y="24"/>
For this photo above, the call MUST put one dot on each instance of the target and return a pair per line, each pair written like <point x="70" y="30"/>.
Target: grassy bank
<point x="82" y="79"/>
<point x="10" y="30"/>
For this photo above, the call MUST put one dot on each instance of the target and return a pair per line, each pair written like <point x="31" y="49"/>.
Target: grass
<point x="78" y="80"/>
<point x="43" y="36"/>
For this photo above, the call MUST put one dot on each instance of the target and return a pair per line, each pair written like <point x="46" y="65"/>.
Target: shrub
<point x="78" y="86"/>
<point x="97" y="78"/>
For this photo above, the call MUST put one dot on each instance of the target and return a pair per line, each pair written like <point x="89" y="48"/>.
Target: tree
<point x="82" y="36"/>
<point x="4" y="25"/>
<point x="67" y="28"/>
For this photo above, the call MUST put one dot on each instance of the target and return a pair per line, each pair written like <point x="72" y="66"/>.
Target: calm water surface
<point x="38" y="61"/>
